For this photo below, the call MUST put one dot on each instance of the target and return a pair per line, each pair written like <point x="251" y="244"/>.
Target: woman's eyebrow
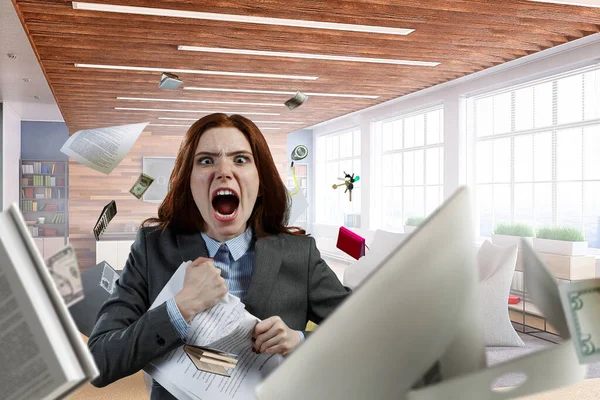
<point x="231" y="153"/>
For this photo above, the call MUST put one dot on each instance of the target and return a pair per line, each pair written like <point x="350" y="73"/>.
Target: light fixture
<point x="37" y="97"/>
<point x="197" y="71"/>
<point x="26" y="80"/>
<point x="203" y="101"/>
<point x="268" y="129"/>
<point x="194" y="111"/>
<point x="308" y="56"/>
<point x="359" y="96"/>
<point x="11" y="56"/>
<point x="256" y="122"/>
<point x="173" y="125"/>
<point x="166" y="12"/>
<point x="582" y="3"/>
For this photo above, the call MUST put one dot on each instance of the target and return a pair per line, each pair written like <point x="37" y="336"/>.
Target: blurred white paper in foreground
<point x="412" y="329"/>
<point x="102" y="149"/>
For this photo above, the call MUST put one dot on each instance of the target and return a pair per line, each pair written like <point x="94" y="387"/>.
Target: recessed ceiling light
<point x="197" y="71"/>
<point x="256" y="122"/>
<point x="11" y="56"/>
<point x="37" y="97"/>
<point x="165" y="12"/>
<point x="308" y="56"/>
<point x="359" y="96"/>
<point x="203" y="101"/>
<point x="194" y="111"/>
<point x="582" y="3"/>
<point x="26" y="80"/>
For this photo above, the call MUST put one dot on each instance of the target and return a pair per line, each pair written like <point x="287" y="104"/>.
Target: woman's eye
<point x="241" y="159"/>
<point x="205" y="161"/>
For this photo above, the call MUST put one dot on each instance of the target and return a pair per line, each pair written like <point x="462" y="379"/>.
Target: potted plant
<point x="560" y="240"/>
<point x="412" y="223"/>
<point x="509" y="234"/>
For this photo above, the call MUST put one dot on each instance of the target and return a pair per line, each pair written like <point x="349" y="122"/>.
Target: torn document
<point x="226" y="327"/>
<point x="102" y="149"/>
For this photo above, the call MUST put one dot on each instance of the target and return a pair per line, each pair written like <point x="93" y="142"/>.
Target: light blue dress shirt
<point x="235" y="259"/>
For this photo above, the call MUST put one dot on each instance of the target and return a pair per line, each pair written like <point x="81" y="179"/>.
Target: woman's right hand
<point x="203" y="287"/>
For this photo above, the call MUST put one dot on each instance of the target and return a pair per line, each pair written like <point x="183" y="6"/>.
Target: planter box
<point x="409" y="228"/>
<point x="509" y="240"/>
<point x="570" y="267"/>
<point x="561" y="247"/>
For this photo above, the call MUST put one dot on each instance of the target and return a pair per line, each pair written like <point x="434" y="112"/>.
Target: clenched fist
<point x="203" y="287"/>
<point x="273" y="336"/>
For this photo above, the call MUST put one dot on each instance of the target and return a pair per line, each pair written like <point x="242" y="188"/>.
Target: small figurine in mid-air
<point x="348" y="182"/>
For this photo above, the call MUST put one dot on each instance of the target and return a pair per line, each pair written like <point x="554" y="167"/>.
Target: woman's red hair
<point x="178" y="210"/>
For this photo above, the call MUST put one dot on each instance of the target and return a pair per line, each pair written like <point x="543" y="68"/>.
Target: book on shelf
<point x="48" y="358"/>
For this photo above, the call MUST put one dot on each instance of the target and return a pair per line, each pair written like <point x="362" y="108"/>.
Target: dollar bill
<point x="581" y="302"/>
<point x="141" y="185"/>
<point x="296" y="101"/>
<point x="64" y="270"/>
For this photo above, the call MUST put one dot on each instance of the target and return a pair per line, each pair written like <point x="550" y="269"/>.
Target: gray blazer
<point x="289" y="279"/>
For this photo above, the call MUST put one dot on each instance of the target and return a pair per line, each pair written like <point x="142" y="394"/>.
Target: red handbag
<point x="351" y="243"/>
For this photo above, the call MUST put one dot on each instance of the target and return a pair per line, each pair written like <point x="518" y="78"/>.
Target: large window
<point x="337" y="153"/>
<point x="537" y="153"/>
<point x="407" y="168"/>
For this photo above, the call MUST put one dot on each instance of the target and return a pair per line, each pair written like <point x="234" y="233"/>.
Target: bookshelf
<point x="301" y="170"/>
<point x="44" y="197"/>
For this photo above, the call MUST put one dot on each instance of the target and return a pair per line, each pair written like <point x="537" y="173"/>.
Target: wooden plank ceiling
<point x="463" y="36"/>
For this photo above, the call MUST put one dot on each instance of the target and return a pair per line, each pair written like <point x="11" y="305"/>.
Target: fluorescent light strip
<point x="165" y="12"/>
<point x="197" y="71"/>
<point x="256" y="122"/>
<point x="184" y="126"/>
<point x="359" y="96"/>
<point x="193" y="111"/>
<point x="581" y="3"/>
<point x="308" y="56"/>
<point x="203" y="101"/>
<point x="187" y="126"/>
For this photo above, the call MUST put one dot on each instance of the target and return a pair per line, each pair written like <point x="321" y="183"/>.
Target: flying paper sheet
<point x="102" y="149"/>
<point x="228" y="327"/>
<point x="299" y="205"/>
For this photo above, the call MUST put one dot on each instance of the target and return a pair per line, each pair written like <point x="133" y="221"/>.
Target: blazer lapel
<point x="267" y="261"/>
<point x="191" y="246"/>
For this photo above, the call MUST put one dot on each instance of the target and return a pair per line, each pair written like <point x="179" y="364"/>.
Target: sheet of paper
<point x="581" y="302"/>
<point x="299" y="205"/>
<point x="417" y="309"/>
<point x="102" y="149"/>
<point x="227" y="326"/>
<point x="382" y="244"/>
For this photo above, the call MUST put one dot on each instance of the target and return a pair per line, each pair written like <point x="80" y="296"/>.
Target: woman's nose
<point x="224" y="170"/>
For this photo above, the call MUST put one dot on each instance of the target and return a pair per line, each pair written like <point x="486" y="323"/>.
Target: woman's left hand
<point x="273" y="336"/>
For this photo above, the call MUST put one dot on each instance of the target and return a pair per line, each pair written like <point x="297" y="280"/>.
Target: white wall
<point x="452" y="95"/>
<point x="11" y="153"/>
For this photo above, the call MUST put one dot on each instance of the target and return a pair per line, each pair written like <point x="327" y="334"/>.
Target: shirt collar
<point x="238" y="246"/>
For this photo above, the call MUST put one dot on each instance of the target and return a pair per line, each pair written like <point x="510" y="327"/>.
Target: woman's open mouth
<point x="225" y="203"/>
